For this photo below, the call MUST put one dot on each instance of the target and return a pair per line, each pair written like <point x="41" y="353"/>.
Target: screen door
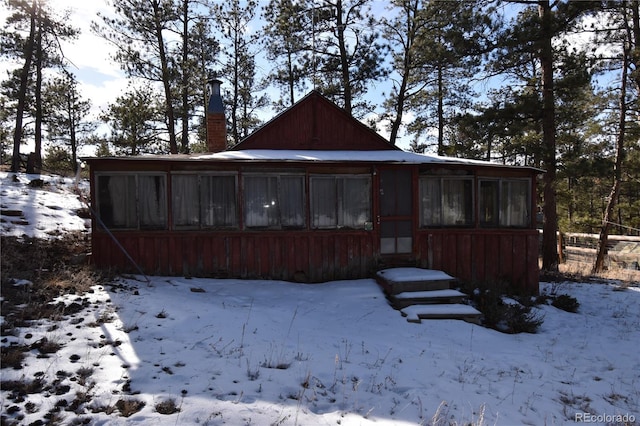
<point x="396" y="221"/>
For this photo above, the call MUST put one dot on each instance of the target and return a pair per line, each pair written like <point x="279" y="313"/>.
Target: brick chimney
<point x="216" y="121"/>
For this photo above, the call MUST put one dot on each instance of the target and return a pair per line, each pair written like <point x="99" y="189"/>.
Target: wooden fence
<point x="623" y="252"/>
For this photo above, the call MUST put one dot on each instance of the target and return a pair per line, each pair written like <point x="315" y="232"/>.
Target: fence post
<point x="560" y="253"/>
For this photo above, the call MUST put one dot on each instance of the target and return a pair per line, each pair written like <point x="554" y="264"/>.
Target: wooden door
<point x="396" y="208"/>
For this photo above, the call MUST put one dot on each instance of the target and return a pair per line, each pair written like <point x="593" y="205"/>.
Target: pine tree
<point x="135" y="119"/>
<point x="239" y="66"/>
<point x="33" y="38"/>
<point x="347" y="51"/>
<point x="623" y="31"/>
<point x="66" y="115"/>
<point x="436" y="58"/>
<point x="287" y="47"/>
<point x="198" y="50"/>
<point x="140" y="35"/>
<point x="528" y="43"/>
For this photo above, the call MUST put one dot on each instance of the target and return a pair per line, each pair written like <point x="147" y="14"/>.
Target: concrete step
<point x="416" y="313"/>
<point x="425" y="294"/>
<point x="432" y="297"/>
<point x="401" y="280"/>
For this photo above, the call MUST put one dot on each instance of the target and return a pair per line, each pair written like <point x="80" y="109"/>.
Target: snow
<point x="391" y="155"/>
<point x="413" y="312"/>
<point x="429" y="294"/>
<point x="408" y="274"/>
<point x="40" y="212"/>
<point x="270" y="352"/>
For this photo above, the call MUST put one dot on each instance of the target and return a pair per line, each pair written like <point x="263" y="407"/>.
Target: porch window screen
<point x="514" y="203"/>
<point x="117" y="201"/>
<point x="185" y="194"/>
<point x="446" y="202"/>
<point x="292" y="201"/>
<point x="274" y="201"/>
<point x="204" y="201"/>
<point x="340" y="201"/>
<point x="152" y="201"/>
<point x="504" y="203"/>
<point x="132" y="201"/>
<point x="218" y="201"/>
<point x="488" y="203"/>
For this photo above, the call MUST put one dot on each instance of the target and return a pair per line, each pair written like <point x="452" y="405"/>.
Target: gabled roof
<point x="314" y="123"/>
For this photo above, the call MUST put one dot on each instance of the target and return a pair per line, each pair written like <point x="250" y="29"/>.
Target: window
<point x="446" y="202"/>
<point x="340" y="201"/>
<point x="152" y="202"/>
<point x="504" y="203"/>
<point x="204" y="201"/>
<point x="515" y="203"/>
<point x="132" y="201"/>
<point x="274" y="201"/>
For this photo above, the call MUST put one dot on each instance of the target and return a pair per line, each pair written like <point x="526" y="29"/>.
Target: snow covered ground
<point x="236" y="352"/>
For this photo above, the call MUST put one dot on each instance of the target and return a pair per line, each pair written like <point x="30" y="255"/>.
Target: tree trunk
<point x="550" y="227"/>
<point x="22" y="91"/>
<point x="635" y="30"/>
<point x="598" y="265"/>
<point x="37" y="137"/>
<point x="166" y="82"/>
<point x="344" y="63"/>
<point x="73" y="142"/>
<point x="186" y="72"/>
<point x="440" y="113"/>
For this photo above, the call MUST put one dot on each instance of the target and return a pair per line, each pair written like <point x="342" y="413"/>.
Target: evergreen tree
<point x="624" y="33"/>
<point x="403" y="33"/>
<point x="66" y="115"/>
<point x="528" y="44"/>
<point x="198" y="50"/>
<point x="203" y="50"/>
<point x="287" y="47"/>
<point x="239" y="66"/>
<point x="33" y="37"/>
<point x="134" y="120"/>
<point x="347" y="52"/>
<point x="438" y="51"/>
<point x="139" y="33"/>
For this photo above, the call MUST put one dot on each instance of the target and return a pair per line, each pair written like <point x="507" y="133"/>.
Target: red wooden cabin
<point x="312" y="196"/>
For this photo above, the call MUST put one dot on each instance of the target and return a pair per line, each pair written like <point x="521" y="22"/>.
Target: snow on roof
<point x="387" y="156"/>
<point x="365" y="156"/>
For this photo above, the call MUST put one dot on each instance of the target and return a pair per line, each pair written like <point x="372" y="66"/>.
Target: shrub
<point x="12" y="356"/>
<point x="507" y="318"/>
<point x="167" y="407"/>
<point x="129" y="407"/>
<point x="566" y="303"/>
<point x="521" y="319"/>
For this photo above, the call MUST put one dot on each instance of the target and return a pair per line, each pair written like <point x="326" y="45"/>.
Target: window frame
<point x="138" y="204"/>
<point x="500" y="205"/>
<point x="339" y="203"/>
<point x="279" y="193"/>
<point x="201" y="225"/>
<point x="469" y="216"/>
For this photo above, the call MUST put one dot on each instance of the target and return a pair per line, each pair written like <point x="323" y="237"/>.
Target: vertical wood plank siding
<point x="495" y="256"/>
<point x="294" y="256"/>
<point x="470" y="255"/>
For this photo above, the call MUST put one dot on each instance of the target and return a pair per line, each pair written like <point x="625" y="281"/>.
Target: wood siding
<point x="482" y="256"/>
<point x="294" y="256"/>
<point x="315" y="123"/>
<point x="310" y="256"/>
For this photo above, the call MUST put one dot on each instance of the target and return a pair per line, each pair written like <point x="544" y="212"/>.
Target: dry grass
<point x="582" y="271"/>
<point x="52" y="267"/>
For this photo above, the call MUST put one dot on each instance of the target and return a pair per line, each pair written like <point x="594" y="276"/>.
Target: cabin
<point x="313" y="195"/>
